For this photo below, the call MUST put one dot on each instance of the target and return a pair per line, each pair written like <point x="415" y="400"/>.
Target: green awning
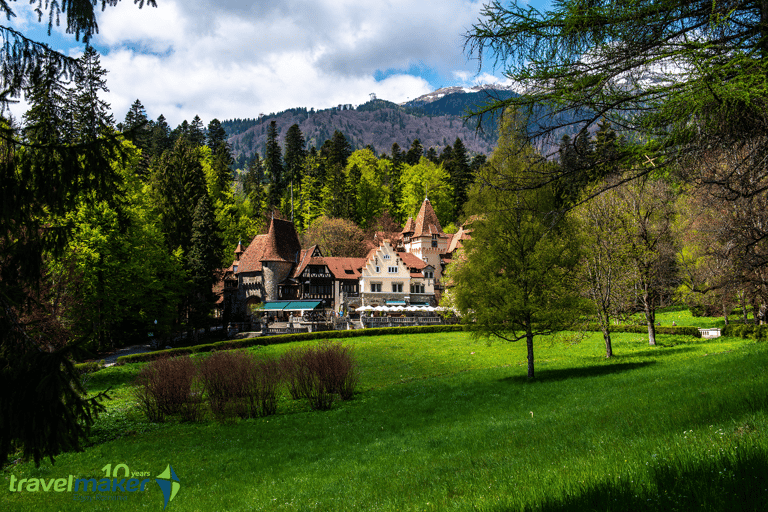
<point x="302" y="305"/>
<point x="275" y="306"/>
<point x="419" y="303"/>
<point x="395" y="303"/>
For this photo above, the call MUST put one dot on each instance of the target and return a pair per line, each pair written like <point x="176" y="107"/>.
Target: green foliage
<point x="426" y="179"/>
<point x="65" y="151"/>
<point x="128" y="278"/>
<point x="515" y="279"/>
<point x="624" y="63"/>
<point x="746" y="331"/>
<point x="372" y="192"/>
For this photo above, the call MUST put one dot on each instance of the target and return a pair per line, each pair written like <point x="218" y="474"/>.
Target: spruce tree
<point x="415" y="153"/>
<point x="273" y="166"/>
<point x="295" y="154"/>
<point x="461" y="176"/>
<point x="203" y="260"/>
<point x="196" y="132"/>
<point x="92" y="117"/>
<point x="43" y="409"/>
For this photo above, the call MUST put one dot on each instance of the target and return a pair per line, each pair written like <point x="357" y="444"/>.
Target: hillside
<point x="435" y="119"/>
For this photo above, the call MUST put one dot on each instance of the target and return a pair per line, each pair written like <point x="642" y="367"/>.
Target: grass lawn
<point x="443" y="422"/>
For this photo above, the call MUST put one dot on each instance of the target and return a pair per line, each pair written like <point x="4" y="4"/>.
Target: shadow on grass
<point x="668" y="350"/>
<point x="727" y="484"/>
<point x="546" y="375"/>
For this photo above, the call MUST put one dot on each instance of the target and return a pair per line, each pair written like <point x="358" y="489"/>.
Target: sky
<point x="230" y="59"/>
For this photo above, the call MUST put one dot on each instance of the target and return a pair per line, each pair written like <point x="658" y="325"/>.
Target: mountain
<point x="436" y="119"/>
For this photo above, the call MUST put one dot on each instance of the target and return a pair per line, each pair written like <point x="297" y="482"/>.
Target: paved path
<point x="111" y="358"/>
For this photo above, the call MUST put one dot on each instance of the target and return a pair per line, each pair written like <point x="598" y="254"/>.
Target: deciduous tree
<point x="514" y="281"/>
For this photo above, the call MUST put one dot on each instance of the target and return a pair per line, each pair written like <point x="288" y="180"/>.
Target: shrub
<point x="265" y="385"/>
<point x="337" y="368"/>
<point x="224" y="377"/>
<point x="164" y="387"/>
<point x="319" y="373"/>
<point x="238" y="384"/>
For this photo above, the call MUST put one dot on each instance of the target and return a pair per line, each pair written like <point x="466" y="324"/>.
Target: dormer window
<point x="234" y="268"/>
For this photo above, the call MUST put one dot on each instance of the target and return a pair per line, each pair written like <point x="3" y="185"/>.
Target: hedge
<point x="746" y="331"/>
<point x="643" y="329"/>
<point x="286" y="338"/>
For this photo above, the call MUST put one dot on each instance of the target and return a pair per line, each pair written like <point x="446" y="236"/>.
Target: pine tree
<point x="161" y="138"/>
<point x="295" y="154"/>
<point x="395" y="187"/>
<point x="43" y="409"/>
<point x="196" y="132"/>
<point x="461" y="176"/>
<point x="415" y="153"/>
<point x="203" y="260"/>
<point x="273" y="166"/>
<point x="92" y="117"/>
<point x="178" y="183"/>
<point x="217" y="137"/>
<point x="350" y="197"/>
<point x="134" y="127"/>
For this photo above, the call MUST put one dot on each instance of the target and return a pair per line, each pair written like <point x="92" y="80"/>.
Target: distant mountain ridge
<point x="436" y="119"/>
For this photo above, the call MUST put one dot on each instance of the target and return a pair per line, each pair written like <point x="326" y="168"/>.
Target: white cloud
<point x="229" y="58"/>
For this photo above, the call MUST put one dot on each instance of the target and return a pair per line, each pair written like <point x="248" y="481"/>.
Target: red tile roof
<point x="345" y="268"/>
<point x="282" y="242"/>
<point x="306" y="255"/>
<point x="410" y="226"/>
<point x="250" y="260"/>
<point x="279" y="244"/>
<point x="411" y="261"/>
<point x="427" y="223"/>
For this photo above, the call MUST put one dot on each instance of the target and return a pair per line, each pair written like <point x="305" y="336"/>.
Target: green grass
<point x="443" y="422"/>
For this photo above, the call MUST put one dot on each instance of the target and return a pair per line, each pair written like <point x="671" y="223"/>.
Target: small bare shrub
<point x="339" y="370"/>
<point x="319" y="373"/>
<point x="165" y="387"/>
<point x="239" y="385"/>
<point x="296" y="369"/>
<point x="265" y="387"/>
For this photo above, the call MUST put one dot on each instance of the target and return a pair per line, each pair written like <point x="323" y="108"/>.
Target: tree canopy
<point x="676" y="76"/>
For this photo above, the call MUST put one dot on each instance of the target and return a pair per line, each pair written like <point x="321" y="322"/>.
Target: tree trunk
<point x="608" y="347"/>
<point x="650" y="317"/>
<point x="529" y="343"/>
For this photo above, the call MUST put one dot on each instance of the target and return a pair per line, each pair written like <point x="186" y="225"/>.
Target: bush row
<point x="643" y="329"/>
<point x="239" y="384"/>
<point x="746" y="331"/>
<point x="285" y="338"/>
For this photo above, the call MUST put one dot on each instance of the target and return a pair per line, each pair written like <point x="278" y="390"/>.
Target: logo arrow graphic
<point x="169" y="484"/>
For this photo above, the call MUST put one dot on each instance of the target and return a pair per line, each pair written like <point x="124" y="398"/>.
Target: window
<point x="375" y="287"/>
<point x="392" y="270"/>
<point x="397" y="287"/>
<point x="429" y="274"/>
<point x="417" y="288"/>
<point x="386" y="256"/>
<point x="378" y="269"/>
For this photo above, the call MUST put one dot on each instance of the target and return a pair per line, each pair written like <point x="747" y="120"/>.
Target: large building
<point x="403" y="269"/>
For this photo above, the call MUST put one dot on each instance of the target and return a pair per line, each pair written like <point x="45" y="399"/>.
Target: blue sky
<point x="229" y="58"/>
